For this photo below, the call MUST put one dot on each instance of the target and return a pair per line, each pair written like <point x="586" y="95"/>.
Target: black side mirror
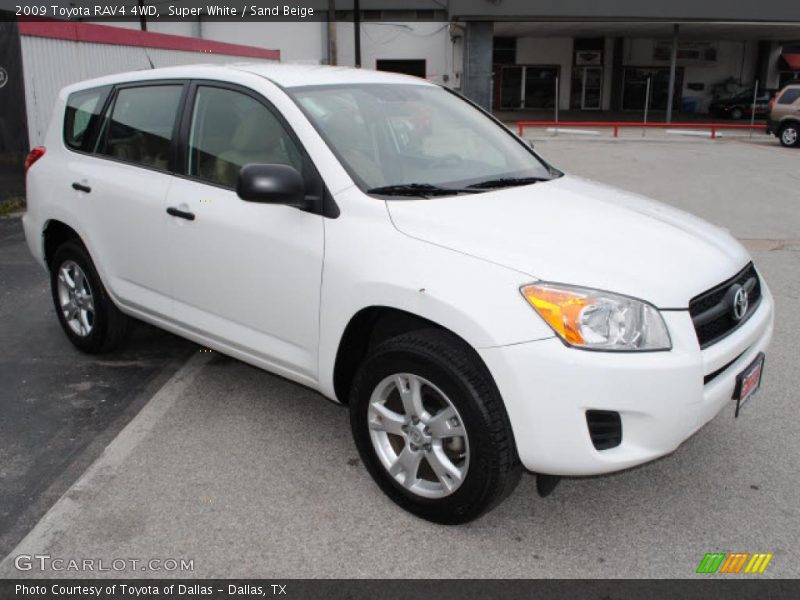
<point x="272" y="184"/>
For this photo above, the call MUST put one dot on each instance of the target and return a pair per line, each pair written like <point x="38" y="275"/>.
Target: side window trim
<point x="108" y="111"/>
<point x="313" y="179"/>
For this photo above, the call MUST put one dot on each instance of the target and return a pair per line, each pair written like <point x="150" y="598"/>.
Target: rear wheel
<point x="790" y="135"/>
<point x="736" y="113"/>
<point x="86" y="313"/>
<point x="431" y="427"/>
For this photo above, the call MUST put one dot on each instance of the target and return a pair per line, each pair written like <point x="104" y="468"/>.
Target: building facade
<point x="675" y="56"/>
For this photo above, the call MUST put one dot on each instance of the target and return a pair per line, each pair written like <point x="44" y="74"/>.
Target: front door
<point x="245" y="275"/>
<point x="591" y="88"/>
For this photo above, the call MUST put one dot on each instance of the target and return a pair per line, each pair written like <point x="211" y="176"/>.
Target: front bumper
<point x="660" y="396"/>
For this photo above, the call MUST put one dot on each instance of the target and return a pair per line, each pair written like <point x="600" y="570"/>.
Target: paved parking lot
<point x="250" y="475"/>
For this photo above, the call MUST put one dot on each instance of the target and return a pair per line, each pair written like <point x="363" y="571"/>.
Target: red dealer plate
<point x="748" y="382"/>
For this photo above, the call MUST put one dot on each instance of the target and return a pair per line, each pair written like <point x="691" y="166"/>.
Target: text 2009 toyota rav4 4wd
<point x="380" y="239"/>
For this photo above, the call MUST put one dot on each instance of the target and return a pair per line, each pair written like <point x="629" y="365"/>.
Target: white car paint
<point x="557" y="228"/>
<point x="276" y="287"/>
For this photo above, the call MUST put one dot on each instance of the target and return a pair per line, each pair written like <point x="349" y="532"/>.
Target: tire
<point x="789" y="135"/>
<point x="448" y="372"/>
<point x="736" y="113"/>
<point x="98" y="326"/>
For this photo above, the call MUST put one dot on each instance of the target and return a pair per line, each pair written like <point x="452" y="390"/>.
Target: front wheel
<point x="790" y="135"/>
<point x="431" y="428"/>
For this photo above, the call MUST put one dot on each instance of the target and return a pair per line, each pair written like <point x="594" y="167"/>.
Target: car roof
<point x="287" y="75"/>
<point x="284" y="75"/>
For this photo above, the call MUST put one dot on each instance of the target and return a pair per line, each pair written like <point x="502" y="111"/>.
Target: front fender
<point x="369" y="263"/>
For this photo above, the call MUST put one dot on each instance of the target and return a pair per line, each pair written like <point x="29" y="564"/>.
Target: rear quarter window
<point x="82" y="117"/>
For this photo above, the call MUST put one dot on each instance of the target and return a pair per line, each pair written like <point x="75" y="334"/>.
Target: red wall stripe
<point x="120" y="36"/>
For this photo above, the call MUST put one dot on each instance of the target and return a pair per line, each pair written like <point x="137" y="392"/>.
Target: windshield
<point x="396" y="138"/>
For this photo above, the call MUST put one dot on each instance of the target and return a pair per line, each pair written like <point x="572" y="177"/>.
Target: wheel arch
<point x="370" y="326"/>
<point x="54" y="234"/>
<point x="788" y="121"/>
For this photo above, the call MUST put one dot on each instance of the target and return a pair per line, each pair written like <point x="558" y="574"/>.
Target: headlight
<point x="596" y="320"/>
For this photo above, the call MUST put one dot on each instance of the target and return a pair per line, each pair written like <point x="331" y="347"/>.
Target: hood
<point x="572" y="230"/>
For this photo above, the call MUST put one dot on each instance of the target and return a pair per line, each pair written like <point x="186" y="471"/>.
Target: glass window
<point x="397" y="134"/>
<point x="789" y="96"/>
<point x="229" y="130"/>
<point x="141" y="125"/>
<point x="82" y="116"/>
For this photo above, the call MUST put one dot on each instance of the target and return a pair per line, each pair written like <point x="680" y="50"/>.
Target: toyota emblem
<point x="740" y="304"/>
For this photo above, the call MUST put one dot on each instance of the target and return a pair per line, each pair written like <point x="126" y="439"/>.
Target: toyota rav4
<point x="384" y="241"/>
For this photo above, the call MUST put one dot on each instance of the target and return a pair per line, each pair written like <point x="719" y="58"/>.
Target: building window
<point x="415" y="67"/>
<point x="504" y="51"/>
<point x="634" y="87"/>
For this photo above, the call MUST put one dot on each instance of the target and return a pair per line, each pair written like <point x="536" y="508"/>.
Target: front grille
<point x="712" y="311"/>
<point x="605" y="428"/>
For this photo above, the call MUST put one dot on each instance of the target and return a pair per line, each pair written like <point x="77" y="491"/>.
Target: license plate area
<point x="748" y="382"/>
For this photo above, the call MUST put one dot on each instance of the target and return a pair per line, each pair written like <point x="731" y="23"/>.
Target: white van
<point x="381" y="240"/>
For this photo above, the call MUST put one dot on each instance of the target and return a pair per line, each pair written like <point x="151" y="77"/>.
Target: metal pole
<point x="331" y="32"/>
<point x="357" y="30"/>
<point x="556" y="104"/>
<point x="673" y="59"/>
<point x="753" y="108"/>
<point x="646" y="105"/>
<point x="142" y="18"/>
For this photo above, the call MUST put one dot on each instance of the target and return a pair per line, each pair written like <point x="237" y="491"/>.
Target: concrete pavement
<point x="246" y="474"/>
<point x="59" y="408"/>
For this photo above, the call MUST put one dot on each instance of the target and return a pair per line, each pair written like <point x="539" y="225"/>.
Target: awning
<point x="791" y="60"/>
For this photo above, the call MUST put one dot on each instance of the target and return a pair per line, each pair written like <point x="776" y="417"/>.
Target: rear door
<point x="125" y="180"/>
<point x="245" y="275"/>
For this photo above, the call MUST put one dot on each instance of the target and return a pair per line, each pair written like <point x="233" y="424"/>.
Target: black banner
<point x="396" y="589"/>
<point x="13" y="124"/>
<point x="99" y="11"/>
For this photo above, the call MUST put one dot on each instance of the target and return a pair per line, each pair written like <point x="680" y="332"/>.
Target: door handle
<point x="181" y="214"/>
<point x="81" y="188"/>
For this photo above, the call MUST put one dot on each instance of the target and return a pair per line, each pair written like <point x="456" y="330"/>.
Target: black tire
<point x="451" y="365"/>
<point x="789" y="135"/>
<point x="109" y="326"/>
<point x="736" y="113"/>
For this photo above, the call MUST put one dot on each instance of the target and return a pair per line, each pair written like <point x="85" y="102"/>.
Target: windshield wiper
<point x="418" y="189"/>
<point x="505" y="182"/>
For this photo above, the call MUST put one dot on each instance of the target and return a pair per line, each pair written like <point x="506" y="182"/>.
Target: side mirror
<point x="271" y="184"/>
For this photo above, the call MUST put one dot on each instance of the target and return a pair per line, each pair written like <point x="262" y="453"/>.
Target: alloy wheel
<point x="75" y="298"/>
<point x="418" y="435"/>
<point x="789" y="136"/>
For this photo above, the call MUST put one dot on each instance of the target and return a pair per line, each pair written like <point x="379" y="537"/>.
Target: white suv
<point x="380" y="239"/>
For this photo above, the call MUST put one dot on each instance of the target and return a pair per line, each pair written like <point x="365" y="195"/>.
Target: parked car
<point x="478" y="310"/>
<point x="784" y="116"/>
<point x="741" y="104"/>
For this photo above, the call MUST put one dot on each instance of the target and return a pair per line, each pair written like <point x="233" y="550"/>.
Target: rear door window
<point x="142" y="125"/>
<point x="82" y="117"/>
